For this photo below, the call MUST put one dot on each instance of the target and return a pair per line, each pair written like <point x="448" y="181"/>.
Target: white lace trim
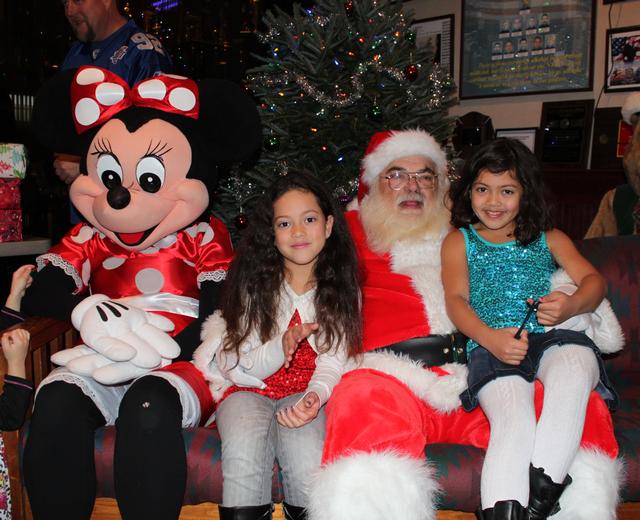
<point x="60" y="262"/>
<point x="212" y="276"/>
<point x="107" y="405"/>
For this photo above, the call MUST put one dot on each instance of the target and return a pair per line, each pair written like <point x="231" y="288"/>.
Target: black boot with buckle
<point x="503" y="510"/>
<point x="294" y="512"/>
<point x="544" y="494"/>
<point x="246" y="513"/>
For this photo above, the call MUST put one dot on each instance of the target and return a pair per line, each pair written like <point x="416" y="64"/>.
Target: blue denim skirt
<point x="485" y="367"/>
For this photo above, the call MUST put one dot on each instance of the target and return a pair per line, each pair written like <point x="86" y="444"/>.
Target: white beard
<point x="385" y="227"/>
<point x="413" y="242"/>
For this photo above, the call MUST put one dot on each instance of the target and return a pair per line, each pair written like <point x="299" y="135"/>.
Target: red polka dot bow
<point x="98" y="94"/>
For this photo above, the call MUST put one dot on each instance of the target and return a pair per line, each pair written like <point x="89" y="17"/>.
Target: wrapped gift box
<point x="9" y="193"/>
<point x="13" y="161"/>
<point x="10" y="225"/>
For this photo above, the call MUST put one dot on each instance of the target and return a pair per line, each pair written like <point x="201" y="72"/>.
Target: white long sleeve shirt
<point x="264" y="359"/>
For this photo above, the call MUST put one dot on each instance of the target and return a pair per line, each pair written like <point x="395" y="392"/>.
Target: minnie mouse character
<point x="153" y="267"/>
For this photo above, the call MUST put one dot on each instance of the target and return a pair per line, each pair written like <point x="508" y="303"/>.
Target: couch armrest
<point x="47" y="337"/>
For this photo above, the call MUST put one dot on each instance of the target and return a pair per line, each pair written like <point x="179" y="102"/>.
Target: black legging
<point x="59" y="469"/>
<point x="150" y="468"/>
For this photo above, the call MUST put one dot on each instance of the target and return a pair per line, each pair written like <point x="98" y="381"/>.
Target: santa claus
<point x="404" y="394"/>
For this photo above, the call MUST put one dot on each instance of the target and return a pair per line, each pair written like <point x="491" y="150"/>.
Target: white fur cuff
<point x="593" y="494"/>
<point x="440" y="392"/>
<point x="373" y="486"/>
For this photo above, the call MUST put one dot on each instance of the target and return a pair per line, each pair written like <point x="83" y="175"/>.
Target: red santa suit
<point x="381" y="416"/>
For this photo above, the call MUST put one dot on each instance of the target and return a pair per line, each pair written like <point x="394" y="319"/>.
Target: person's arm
<point x="329" y="369"/>
<point x="14" y="402"/>
<point x="455" y="280"/>
<point x="20" y="281"/>
<point x="51" y="281"/>
<point x="17" y="390"/>
<point x="189" y="337"/>
<point x="262" y="359"/>
<point x="66" y="167"/>
<point x="211" y="259"/>
<point x="557" y="306"/>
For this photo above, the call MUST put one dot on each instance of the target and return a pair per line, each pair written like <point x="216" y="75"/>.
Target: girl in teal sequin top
<point x="494" y="266"/>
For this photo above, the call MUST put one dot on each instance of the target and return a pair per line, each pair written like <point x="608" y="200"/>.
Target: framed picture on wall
<point x="622" y="67"/>
<point x="565" y="130"/>
<point x="523" y="47"/>
<point x="437" y="33"/>
<point x="611" y="136"/>
<point x="526" y="136"/>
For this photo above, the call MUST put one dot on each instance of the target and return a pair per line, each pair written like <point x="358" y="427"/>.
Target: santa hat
<point x="631" y="106"/>
<point x="390" y="145"/>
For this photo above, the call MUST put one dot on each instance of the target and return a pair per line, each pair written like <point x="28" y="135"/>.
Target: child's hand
<point x="15" y="345"/>
<point x="20" y="281"/>
<point x="293" y="337"/>
<point x="301" y="413"/>
<point x="555" y="308"/>
<point x="503" y="345"/>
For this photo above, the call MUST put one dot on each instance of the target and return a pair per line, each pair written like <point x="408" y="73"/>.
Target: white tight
<point x="568" y="373"/>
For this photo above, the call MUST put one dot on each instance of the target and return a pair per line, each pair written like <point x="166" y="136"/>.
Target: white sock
<point x="568" y="373"/>
<point x="508" y="403"/>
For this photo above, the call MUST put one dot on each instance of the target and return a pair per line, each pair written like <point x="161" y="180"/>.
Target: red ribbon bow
<point x="98" y="94"/>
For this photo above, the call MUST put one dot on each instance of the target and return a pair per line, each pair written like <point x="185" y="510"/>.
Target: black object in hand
<point x="533" y="307"/>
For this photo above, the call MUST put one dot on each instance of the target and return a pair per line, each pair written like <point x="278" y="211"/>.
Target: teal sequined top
<point x="503" y="276"/>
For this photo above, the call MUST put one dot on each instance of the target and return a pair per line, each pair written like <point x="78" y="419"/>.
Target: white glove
<point x="235" y="370"/>
<point x="121" y="342"/>
<point x="217" y="366"/>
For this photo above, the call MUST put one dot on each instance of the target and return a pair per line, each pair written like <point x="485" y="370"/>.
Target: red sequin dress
<point x="287" y="381"/>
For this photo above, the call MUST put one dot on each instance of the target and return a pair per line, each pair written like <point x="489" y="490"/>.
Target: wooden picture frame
<point x="622" y="61"/>
<point x="513" y="48"/>
<point x="439" y="32"/>
<point x="565" y="132"/>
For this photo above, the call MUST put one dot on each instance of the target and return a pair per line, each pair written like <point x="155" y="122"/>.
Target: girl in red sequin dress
<point x="288" y="329"/>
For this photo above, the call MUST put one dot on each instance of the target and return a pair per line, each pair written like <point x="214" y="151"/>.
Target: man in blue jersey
<point x="106" y="39"/>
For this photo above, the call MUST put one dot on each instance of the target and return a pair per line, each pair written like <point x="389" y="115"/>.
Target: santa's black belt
<point x="433" y="350"/>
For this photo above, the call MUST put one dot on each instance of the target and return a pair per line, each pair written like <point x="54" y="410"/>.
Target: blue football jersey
<point x="129" y="52"/>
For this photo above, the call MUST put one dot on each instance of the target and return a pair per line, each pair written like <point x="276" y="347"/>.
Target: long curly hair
<point x="252" y="288"/>
<point x="534" y="214"/>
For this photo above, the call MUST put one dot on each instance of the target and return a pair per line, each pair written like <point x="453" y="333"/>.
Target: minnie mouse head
<point x="149" y="153"/>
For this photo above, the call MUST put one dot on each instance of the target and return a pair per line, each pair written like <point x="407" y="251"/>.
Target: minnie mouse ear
<point x="51" y="120"/>
<point x="230" y="120"/>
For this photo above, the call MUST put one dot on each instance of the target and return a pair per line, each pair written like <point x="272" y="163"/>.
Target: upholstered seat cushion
<point x="459" y="467"/>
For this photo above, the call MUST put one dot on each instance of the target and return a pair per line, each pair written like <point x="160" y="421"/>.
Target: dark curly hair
<point x="253" y="284"/>
<point x="534" y="214"/>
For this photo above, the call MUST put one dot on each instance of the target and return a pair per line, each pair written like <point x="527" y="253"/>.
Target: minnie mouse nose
<point x="118" y="197"/>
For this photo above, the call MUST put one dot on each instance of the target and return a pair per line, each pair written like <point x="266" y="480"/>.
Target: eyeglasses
<point x="425" y="179"/>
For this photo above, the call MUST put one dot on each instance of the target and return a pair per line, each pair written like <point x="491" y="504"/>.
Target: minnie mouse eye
<point x="109" y="171"/>
<point x="150" y="174"/>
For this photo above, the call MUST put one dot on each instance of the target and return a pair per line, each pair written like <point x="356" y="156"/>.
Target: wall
<point x="524" y="111"/>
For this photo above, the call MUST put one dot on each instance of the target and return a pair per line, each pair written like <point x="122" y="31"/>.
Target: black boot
<point x="544" y="494"/>
<point x="294" y="512"/>
<point x="246" y="513"/>
<point x="503" y="510"/>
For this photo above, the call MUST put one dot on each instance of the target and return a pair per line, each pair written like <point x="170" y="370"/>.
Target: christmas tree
<point x="332" y="76"/>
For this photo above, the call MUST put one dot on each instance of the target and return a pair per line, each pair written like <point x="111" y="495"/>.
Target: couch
<point x="458" y="466"/>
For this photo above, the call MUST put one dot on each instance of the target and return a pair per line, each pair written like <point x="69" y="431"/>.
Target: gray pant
<point x="252" y="439"/>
